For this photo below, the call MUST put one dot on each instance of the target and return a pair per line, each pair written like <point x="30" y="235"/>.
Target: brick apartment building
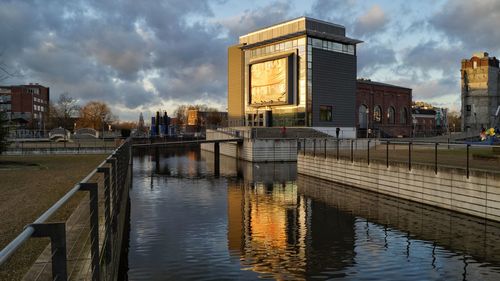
<point x="383" y="109"/>
<point x="26" y="106"/>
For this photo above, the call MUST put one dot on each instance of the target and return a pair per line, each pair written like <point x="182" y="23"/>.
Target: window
<point x="363" y="116"/>
<point x="350" y="49"/>
<point x="325" y="113"/>
<point x="377" y="114"/>
<point x="337" y="46"/>
<point x="391" y="115"/>
<point x="403" y="115"/>
<point x="317" y="43"/>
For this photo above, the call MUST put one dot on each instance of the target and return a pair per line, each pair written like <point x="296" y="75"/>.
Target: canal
<point x="263" y="221"/>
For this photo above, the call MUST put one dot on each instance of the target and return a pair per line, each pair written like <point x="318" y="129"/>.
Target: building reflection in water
<point x="307" y="228"/>
<point x="272" y="231"/>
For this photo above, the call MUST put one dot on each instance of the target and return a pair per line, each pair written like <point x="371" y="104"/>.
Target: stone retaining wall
<point x="478" y="195"/>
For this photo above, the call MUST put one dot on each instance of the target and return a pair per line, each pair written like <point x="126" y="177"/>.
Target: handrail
<point x="10" y="249"/>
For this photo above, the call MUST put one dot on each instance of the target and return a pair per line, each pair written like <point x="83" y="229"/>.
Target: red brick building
<point x="27" y="106"/>
<point x="424" y="121"/>
<point x="383" y="110"/>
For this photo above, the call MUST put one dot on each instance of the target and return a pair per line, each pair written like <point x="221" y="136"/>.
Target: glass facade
<point x="264" y="103"/>
<point x="292" y="114"/>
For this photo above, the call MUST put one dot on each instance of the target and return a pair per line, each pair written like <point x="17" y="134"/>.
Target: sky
<point x="143" y="56"/>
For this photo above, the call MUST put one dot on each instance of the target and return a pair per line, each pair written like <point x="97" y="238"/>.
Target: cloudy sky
<point x="141" y="56"/>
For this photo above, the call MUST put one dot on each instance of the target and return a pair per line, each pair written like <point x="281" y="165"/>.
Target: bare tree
<point x="63" y="113"/>
<point x="5" y="71"/>
<point x="454" y="121"/>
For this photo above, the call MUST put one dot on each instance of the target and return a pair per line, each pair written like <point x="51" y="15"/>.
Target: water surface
<point x="262" y="221"/>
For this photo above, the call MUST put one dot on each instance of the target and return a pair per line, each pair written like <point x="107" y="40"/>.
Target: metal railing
<point x="78" y="248"/>
<point x="465" y="156"/>
<point x="73" y="147"/>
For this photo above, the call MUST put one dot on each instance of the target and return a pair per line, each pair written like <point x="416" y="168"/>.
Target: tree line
<point x="68" y="114"/>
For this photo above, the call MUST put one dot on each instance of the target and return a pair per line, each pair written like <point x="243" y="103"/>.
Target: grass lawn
<point x="29" y="185"/>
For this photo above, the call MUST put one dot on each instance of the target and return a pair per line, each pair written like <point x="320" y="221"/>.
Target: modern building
<point x="480" y="92"/>
<point x="300" y="72"/>
<point x="383" y="110"/>
<point x="27" y="106"/>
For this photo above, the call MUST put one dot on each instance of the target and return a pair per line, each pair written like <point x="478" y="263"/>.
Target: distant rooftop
<point x="370" y="82"/>
<point x="297" y="27"/>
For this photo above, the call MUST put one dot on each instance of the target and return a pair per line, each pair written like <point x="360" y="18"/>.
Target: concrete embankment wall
<point x="478" y="195"/>
<point x="254" y="150"/>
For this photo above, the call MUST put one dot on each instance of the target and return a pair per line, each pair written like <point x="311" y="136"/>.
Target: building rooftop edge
<point x="290" y="21"/>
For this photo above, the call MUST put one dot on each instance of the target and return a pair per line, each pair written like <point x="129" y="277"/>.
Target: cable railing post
<point x="325" y="147"/>
<point x="114" y="193"/>
<point x="409" y="156"/>
<point x="352" y="151"/>
<point x="436" y="158"/>
<point x="337" y="149"/>
<point x="314" y="147"/>
<point x="57" y="234"/>
<point x="304" y="149"/>
<point x="387" y="153"/>
<point x="368" y="152"/>
<point x="468" y="147"/>
<point x="94" y="226"/>
<point x="107" y="211"/>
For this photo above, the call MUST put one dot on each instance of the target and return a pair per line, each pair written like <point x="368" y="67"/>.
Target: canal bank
<point x="476" y="193"/>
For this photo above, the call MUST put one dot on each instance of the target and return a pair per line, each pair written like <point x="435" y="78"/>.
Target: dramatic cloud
<point x="99" y="50"/>
<point x="430" y="56"/>
<point x="147" y="55"/>
<point x="474" y="23"/>
<point x="256" y="18"/>
<point x="338" y="11"/>
<point x="374" y="20"/>
<point x="372" y="57"/>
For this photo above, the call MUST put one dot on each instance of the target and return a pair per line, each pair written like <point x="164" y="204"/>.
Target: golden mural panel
<point x="269" y="81"/>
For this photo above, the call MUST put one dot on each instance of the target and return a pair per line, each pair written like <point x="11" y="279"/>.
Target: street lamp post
<point x="103" y="116"/>
<point x="367" y="122"/>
